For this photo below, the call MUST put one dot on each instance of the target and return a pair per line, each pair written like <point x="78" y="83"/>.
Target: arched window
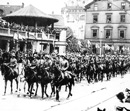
<point x="108" y="31"/>
<point x="122" y="31"/>
<point x="95" y="31"/>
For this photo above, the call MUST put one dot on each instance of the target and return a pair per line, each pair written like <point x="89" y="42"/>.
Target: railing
<point x="32" y="35"/>
<point x="39" y="35"/>
<point x="3" y="30"/>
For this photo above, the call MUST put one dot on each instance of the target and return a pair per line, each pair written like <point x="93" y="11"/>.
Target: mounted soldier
<point x="13" y="63"/>
<point x="48" y="62"/>
<point x="63" y="66"/>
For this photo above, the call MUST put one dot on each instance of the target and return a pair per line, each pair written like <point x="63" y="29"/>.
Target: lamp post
<point x="101" y="43"/>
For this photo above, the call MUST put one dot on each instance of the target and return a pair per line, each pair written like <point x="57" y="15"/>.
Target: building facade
<point x="74" y="17"/>
<point x="108" y="25"/>
<point x="7" y="9"/>
<point x="17" y="39"/>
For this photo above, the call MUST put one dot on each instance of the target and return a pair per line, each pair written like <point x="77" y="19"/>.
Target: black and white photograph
<point x="64" y="55"/>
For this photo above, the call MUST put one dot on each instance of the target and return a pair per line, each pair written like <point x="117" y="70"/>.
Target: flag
<point x="79" y="43"/>
<point x="97" y="45"/>
<point x="117" y="48"/>
<point x="107" y="46"/>
<point x="112" y="47"/>
<point x="15" y="36"/>
<point x="88" y="43"/>
<point x="20" y="37"/>
<point x="123" y="48"/>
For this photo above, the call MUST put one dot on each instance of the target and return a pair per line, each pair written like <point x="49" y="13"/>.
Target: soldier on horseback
<point x="48" y="62"/>
<point x="13" y="63"/>
<point x="64" y="65"/>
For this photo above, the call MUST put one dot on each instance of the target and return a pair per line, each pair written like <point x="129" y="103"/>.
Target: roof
<point x="60" y="23"/>
<point x="29" y="15"/>
<point x="7" y="9"/>
<point x="87" y="6"/>
<point x="73" y="7"/>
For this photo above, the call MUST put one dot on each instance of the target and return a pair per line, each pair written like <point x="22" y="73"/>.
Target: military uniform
<point x="13" y="63"/>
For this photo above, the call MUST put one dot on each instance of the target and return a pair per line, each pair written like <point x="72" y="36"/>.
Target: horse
<point x="10" y="75"/>
<point x="59" y="80"/>
<point x="90" y="71"/>
<point x="31" y="78"/>
<point x="45" y="78"/>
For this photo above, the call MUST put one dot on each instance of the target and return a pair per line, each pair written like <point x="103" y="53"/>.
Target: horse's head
<point x="54" y="69"/>
<point x="28" y="71"/>
<point x="4" y="68"/>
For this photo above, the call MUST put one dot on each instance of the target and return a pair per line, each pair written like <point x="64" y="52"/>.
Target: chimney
<point x="22" y="5"/>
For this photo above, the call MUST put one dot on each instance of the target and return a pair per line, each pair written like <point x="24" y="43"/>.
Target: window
<point x="57" y="36"/>
<point x="123" y="5"/>
<point x="95" y="34"/>
<point x="108" y="33"/>
<point x="109" y="6"/>
<point x="95" y="18"/>
<point x="108" y="19"/>
<point x="95" y="6"/>
<point x="122" y="34"/>
<point x="122" y="18"/>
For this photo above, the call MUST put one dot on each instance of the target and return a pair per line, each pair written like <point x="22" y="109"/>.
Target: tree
<point x="72" y="45"/>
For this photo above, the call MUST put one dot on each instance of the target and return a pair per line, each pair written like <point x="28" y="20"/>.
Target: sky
<point x="47" y="6"/>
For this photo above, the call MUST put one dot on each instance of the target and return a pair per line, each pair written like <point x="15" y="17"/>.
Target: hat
<point x="47" y="56"/>
<point x="13" y="54"/>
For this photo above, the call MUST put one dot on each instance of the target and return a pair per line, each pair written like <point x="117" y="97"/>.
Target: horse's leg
<point x="5" y="87"/>
<point x="57" y="92"/>
<point x="11" y="85"/>
<point x="25" y="86"/>
<point x="70" y="88"/>
<point x="31" y="88"/>
<point x="46" y="90"/>
<point x="66" y="88"/>
<point x="16" y="80"/>
<point x="53" y="90"/>
<point x="36" y="89"/>
<point x="42" y="88"/>
<point x="29" y="85"/>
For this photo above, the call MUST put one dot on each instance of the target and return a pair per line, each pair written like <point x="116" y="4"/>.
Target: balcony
<point x="26" y="35"/>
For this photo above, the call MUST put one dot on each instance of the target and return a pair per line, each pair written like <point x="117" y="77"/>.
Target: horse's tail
<point x="72" y="76"/>
<point x="73" y="83"/>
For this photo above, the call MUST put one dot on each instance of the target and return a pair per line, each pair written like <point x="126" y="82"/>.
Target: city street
<point x="85" y="97"/>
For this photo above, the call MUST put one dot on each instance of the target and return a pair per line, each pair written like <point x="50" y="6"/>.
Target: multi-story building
<point x="108" y="22"/>
<point x="74" y="16"/>
<point x="7" y="9"/>
<point x="18" y="39"/>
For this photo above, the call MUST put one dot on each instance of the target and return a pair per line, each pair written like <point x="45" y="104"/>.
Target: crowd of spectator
<point x="14" y="26"/>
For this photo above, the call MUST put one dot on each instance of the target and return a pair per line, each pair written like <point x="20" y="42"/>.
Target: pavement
<point x="86" y="97"/>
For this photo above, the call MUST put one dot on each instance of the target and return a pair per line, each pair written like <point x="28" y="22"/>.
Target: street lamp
<point x="101" y="43"/>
